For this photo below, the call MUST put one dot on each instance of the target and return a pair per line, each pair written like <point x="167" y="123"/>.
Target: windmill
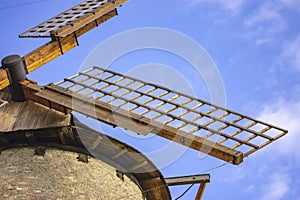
<point x="117" y="100"/>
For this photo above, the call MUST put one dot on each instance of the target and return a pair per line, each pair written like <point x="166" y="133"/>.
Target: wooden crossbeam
<point x="185" y="180"/>
<point x="202" y="180"/>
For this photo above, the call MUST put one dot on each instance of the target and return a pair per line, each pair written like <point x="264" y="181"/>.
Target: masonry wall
<point x="59" y="175"/>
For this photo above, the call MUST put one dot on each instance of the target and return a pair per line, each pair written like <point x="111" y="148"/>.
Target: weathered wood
<point x="186" y="180"/>
<point x="29" y="116"/>
<point x="4" y="82"/>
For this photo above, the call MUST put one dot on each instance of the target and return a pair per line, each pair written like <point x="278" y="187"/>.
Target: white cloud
<point x="277" y="187"/>
<point x="271" y="11"/>
<point x="234" y="175"/>
<point x="261" y="41"/>
<point x="287" y="115"/>
<point x="291" y="53"/>
<point x="232" y="5"/>
<point x="249" y="189"/>
<point x="290" y="4"/>
<point x="266" y="13"/>
<point x="264" y="23"/>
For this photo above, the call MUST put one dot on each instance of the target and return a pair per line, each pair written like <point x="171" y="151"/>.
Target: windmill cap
<point x="10" y="60"/>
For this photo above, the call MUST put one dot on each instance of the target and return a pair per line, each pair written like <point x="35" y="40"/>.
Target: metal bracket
<point x="120" y="175"/>
<point x="60" y="46"/>
<point x="25" y="66"/>
<point x="40" y="151"/>
<point x="83" y="158"/>
<point x="76" y="38"/>
<point x="3" y="103"/>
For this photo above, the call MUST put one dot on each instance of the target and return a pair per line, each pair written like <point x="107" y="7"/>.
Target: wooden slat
<point x="4" y="82"/>
<point x="29" y="115"/>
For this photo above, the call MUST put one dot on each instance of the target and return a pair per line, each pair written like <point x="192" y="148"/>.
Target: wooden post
<point x="200" y="191"/>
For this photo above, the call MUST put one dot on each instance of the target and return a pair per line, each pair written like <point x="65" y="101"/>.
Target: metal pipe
<point x="16" y="70"/>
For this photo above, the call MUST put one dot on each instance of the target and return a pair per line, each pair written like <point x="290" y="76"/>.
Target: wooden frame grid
<point x="182" y="112"/>
<point x="73" y="19"/>
<point x="145" y="108"/>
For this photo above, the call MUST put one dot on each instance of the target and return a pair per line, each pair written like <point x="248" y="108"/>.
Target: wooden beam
<point x="4" y="81"/>
<point x="200" y="191"/>
<point x="186" y="180"/>
<point x="54" y="49"/>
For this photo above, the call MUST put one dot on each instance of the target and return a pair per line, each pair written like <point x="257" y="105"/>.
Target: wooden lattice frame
<point x="64" y="33"/>
<point x="73" y="19"/>
<point x="190" y="121"/>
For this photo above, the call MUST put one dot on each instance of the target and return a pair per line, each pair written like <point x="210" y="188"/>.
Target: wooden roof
<point x="28" y="115"/>
<point x="29" y="124"/>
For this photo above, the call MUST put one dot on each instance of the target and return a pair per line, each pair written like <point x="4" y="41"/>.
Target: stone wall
<point x="59" y="175"/>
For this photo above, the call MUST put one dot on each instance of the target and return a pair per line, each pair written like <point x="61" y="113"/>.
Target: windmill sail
<point x="64" y="31"/>
<point x="73" y="19"/>
<point x="145" y="108"/>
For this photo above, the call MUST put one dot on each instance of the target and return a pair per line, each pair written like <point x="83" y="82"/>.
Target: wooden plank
<point x="104" y="112"/>
<point x="200" y="191"/>
<point x="186" y="180"/>
<point x="29" y="115"/>
<point x="4" y="82"/>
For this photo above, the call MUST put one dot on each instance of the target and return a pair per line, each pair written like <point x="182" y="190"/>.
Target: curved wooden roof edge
<point x="125" y="159"/>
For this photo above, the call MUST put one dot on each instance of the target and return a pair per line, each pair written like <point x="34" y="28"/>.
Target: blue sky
<point x="256" y="46"/>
